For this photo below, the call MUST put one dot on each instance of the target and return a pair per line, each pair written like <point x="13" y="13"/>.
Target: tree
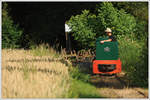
<point x="140" y="11"/>
<point x="118" y="20"/>
<point x="86" y="27"/>
<point x="83" y="28"/>
<point x="10" y="32"/>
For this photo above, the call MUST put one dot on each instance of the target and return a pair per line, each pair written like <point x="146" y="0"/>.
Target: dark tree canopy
<point x="43" y="22"/>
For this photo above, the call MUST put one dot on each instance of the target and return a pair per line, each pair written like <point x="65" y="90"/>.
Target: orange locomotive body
<point x="116" y="64"/>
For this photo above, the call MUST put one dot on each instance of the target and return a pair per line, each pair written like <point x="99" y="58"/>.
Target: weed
<point x="33" y="69"/>
<point x="76" y="74"/>
<point x="25" y="69"/>
<point x="44" y="50"/>
<point x="80" y="89"/>
<point x="134" y="61"/>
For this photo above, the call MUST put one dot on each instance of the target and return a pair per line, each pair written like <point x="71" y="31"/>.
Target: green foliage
<point x="76" y="74"/>
<point x="137" y="9"/>
<point x="10" y="32"/>
<point x="83" y="27"/>
<point x="140" y="11"/>
<point x="127" y="48"/>
<point x="119" y="21"/>
<point x="134" y="57"/>
<point x="87" y="27"/>
<point x="80" y="89"/>
<point x="131" y="31"/>
<point x="142" y="30"/>
<point x="139" y="77"/>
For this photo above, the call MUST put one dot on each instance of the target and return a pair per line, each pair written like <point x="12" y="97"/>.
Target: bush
<point x="142" y="30"/>
<point x="118" y="20"/>
<point x="76" y="74"/>
<point x="87" y="27"/>
<point x="10" y="32"/>
<point x="83" y="28"/>
<point x="134" y="57"/>
<point x="127" y="48"/>
<point x="139" y="76"/>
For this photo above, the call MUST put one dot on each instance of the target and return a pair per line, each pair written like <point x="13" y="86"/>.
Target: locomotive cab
<point x="107" y="57"/>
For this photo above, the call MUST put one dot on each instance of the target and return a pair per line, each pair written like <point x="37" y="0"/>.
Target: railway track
<point x="136" y="89"/>
<point x="114" y="83"/>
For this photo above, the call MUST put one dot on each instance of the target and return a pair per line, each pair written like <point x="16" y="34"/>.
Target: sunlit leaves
<point x="118" y="20"/>
<point x="83" y="28"/>
<point x="86" y="27"/>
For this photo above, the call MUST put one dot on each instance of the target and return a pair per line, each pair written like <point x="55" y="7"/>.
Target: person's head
<point x="108" y="31"/>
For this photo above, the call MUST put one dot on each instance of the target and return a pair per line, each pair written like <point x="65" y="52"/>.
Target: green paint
<point x="107" y="50"/>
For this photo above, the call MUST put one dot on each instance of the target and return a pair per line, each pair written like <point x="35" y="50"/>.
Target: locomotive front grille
<point x="106" y="67"/>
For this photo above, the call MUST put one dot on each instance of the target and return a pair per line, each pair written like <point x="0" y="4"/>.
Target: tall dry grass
<point x="25" y="75"/>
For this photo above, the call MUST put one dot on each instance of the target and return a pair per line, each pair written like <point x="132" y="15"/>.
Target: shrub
<point x="134" y="57"/>
<point x="127" y="48"/>
<point x="76" y="74"/>
<point x="118" y="20"/>
<point x="139" y="76"/>
<point x="86" y="27"/>
<point x="83" y="28"/>
<point x="10" y="32"/>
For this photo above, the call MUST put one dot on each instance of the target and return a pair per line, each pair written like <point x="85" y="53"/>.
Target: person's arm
<point x="109" y="40"/>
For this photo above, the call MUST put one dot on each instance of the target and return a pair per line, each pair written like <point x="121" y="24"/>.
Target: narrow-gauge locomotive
<point x="107" y="57"/>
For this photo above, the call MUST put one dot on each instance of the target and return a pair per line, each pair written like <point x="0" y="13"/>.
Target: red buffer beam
<point x="97" y="62"/>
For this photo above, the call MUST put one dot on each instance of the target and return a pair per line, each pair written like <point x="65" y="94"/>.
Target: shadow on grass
<point x="43" y="70"/>
<point x="34" y="60"/>
<point x="89" y="96"/>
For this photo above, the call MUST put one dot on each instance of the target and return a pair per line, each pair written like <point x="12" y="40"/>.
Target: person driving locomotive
<point x="109" y="34"/>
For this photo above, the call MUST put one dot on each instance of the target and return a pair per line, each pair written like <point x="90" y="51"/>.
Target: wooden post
<point x="69" y="43"/>
<point x="66" y="41"/>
